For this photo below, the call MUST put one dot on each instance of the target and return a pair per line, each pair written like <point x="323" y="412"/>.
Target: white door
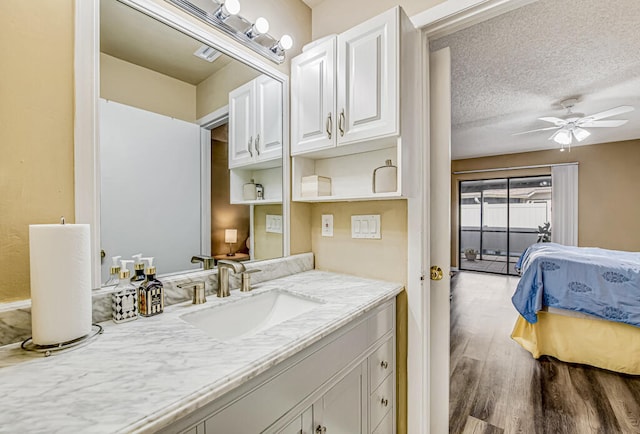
<point x="268" y="140"/>
<point x="342" y="410"/>
<point x="241" y="125"/>
<point x="439" y="204"/>
<point x="313" y="81"/>
<point x="368" y="79"/>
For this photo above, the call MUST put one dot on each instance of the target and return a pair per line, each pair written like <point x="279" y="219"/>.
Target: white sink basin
<point x="250" y="315"/>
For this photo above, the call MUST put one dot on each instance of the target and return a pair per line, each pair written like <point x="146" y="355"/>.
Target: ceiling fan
<point x="573" y="124"/>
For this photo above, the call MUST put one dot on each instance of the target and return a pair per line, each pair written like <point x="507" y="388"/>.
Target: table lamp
<point x="230" y="237"/>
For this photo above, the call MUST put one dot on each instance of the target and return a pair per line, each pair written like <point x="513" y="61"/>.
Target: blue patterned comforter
<point x="603" y="283"/>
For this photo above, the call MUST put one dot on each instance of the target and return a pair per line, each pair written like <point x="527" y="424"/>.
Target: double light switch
<point x="365" y="226"/>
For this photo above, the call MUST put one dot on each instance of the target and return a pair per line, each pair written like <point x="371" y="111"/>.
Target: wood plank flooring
<point x="497" y="387"/>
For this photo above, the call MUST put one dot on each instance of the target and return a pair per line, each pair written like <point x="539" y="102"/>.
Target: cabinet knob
<point x="341" y="123"/>
<point x="329" y="125"/>
<point x="384" y="364"/>
<point x="384" y="402"/>
<point x="249" y="146"/>
<point x="321" y="429"/>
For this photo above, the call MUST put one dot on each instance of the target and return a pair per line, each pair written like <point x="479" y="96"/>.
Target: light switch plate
<point x="365" y="226"/>
<point x="327" y="225"/>
<point x="274" y="224"/>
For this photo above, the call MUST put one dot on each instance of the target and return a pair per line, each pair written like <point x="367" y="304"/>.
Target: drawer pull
<point x="384" y="364"/>
<point x="384" y="402"/>
<point x="321" y="429"/>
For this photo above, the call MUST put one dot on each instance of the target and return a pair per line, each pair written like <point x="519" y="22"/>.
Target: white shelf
<point x="351" y="175"/>
<point x="257" y="202"/>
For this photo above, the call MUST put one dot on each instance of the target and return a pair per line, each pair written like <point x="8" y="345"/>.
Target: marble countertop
<point x="143" y="375"/>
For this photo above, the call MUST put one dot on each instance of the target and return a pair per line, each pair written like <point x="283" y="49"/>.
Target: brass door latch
<point x="436" y="273"/>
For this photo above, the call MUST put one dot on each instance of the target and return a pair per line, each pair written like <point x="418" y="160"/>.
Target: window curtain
<point x="564" y="204"/>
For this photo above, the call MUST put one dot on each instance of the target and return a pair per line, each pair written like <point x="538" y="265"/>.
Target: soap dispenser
<point x="151" y="293"/>
<point x="114" y="272"/>
<point x="138" y="269"/>
<point x="124" y="301"/>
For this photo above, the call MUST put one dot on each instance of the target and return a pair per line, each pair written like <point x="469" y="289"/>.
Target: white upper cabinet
<point x="356" y="102"/>
<point x="241" y="125"/>
<point x="268" y="141"/>
<point x="313" y="98"/>
<point x="368" y="80"/>
<point x="255" y="123"/>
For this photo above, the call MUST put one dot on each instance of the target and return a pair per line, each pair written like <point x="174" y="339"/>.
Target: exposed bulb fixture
<point x="260" y="27"/>
<point x="285" y="43"/>
<point x="228" y="8"/>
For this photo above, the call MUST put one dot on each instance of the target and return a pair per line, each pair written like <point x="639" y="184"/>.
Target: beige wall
<point x="300" y="228"/>
<point x="267" y="245"/>
<point x="336" y="16"/>
<point x="145" y="89"/>
<point x="384" y="259"/>
<point x="36" y="129"/>
<point x="213" y="92"/>
<point x="608" y="209"/>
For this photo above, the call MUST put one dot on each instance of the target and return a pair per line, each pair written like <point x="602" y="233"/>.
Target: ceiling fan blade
<point x="533" y="131"/>
<point x="559" y="122"/>
<point x="610" y="112"/>
<point x="603" y="124"/>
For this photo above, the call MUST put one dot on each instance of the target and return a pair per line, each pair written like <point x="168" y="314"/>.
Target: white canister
<point x="249" y="191"/>
<point x="385" y="178"/>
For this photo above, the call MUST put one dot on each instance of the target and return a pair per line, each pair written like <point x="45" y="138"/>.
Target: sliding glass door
<point x="499" y="219"/>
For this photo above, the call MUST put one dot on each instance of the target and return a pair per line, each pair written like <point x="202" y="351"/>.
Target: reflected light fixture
<point x="580" y="133"/>
<point x="224" y="15"/>
<point x="226" y="9"/>
<point x="230" y="237"/>
<point x="260" y="27"/>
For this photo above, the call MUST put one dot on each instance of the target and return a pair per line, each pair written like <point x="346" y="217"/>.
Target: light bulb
<point x="286" y="42"/>
<point x="261" y="26"/>
<point x="228" y="8"/>
<point x="562" y="137"/>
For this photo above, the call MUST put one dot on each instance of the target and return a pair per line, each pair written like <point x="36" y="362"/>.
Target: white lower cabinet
<point x="345" y="383"/>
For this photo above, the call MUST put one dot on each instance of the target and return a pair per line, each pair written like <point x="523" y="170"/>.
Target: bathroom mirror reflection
<point x="190" y="148"/>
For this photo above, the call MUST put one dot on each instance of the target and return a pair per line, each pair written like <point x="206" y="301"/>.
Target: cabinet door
<point x="313" y="119"/>
<point x="268" y="139"/>
<point x="302" y="424"/>
<point x="368" y="79"/>
<point x="342" y="410"/>
<point x="241" y="125"/>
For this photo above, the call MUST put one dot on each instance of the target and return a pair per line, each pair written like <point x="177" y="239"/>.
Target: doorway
<point x="499" y="219"/>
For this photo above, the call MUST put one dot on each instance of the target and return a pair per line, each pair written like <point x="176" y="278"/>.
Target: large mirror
<point x="191" y="146"/>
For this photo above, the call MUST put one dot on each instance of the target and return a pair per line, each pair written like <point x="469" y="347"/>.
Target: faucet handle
<point x="199" y="296"/>
<point x="245" y="279"/>
<point x="208" y="262"/>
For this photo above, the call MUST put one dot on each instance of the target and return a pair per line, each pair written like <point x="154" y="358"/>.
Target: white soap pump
<point x="114" y="272"/>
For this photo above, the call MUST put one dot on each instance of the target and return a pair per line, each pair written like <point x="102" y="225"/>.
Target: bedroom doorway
<point x="499" y="219"/>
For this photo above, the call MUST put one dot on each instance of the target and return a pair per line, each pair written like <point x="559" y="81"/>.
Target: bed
<point x="580" y="305"/>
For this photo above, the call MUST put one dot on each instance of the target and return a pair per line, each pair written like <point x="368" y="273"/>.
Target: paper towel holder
<point x="48" y="350"/>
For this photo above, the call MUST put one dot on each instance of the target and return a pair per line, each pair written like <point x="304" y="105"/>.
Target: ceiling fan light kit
<point x="573" y="125"/>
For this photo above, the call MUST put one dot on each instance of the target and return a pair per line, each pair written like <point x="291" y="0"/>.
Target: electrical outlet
<point x="327" y="225"/>
<point x="365" y="226"/>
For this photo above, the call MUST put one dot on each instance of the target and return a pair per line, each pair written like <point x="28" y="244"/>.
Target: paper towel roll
<point x="60" y="282"/>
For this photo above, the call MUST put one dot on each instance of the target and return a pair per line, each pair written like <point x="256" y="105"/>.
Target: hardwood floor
<point x="498" y="387"/>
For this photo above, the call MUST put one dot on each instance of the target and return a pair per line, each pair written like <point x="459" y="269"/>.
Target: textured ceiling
<point x="136" y="38"/>
<point x="512" y="69"/>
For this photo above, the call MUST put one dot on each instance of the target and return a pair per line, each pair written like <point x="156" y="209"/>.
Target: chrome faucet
<point x="208" y="262"/>
<point x="223" y="275"/>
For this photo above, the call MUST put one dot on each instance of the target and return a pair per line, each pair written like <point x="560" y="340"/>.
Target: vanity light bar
<point x="239" y="28"/>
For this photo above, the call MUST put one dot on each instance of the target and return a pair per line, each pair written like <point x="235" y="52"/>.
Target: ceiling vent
<point x="207" y="53"/>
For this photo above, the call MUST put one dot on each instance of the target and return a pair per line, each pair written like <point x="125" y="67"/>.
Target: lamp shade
<point x="230" y="235"/>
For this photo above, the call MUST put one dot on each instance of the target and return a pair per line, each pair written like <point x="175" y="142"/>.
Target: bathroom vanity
<point x="322" y="359"/>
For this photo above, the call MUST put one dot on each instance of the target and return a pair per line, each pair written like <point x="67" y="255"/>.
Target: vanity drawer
<point x="386" y="426"/>
<point x="382" y="322"/>
<point x="381" y="364"/>
<point x="381" y="401"/>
